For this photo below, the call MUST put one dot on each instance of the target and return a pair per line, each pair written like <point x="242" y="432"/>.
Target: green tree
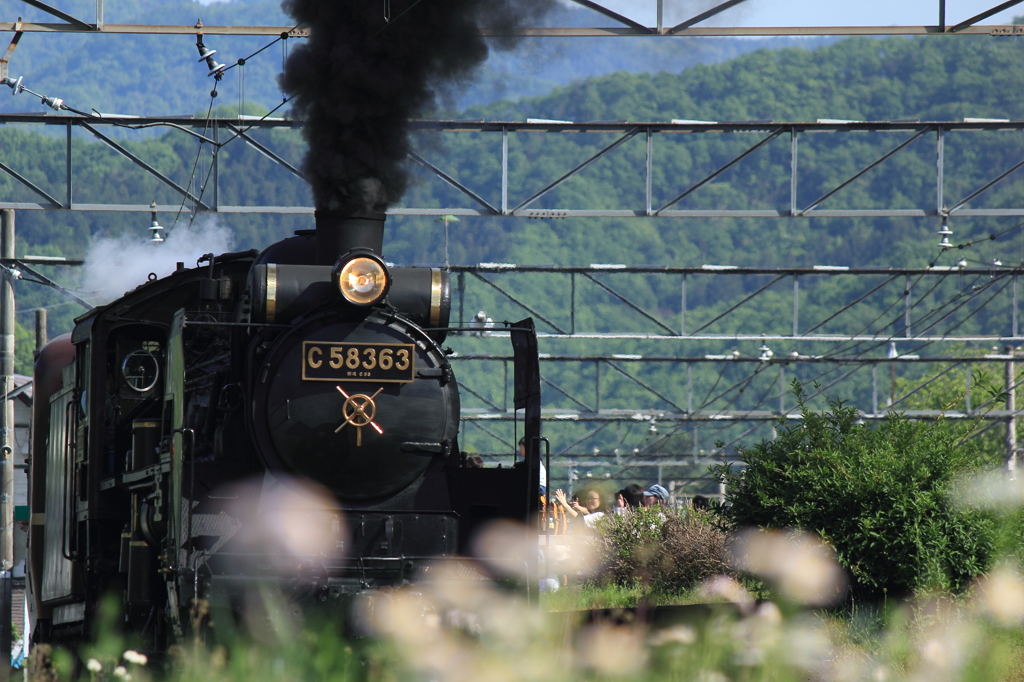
<point x="878" y="494"/>
<point x="947" y="389"/>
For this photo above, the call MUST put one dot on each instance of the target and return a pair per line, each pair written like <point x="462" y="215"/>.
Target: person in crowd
<point x="592" y="503"/>
<point x="629" y="497"/>
<point x="589" y="512"/>
<point x="655" y="496"/>
<point x="699" y="502"/>
<point x="474" y="462"/>
<point x="573" y="508"/>
<point x="521" y="461"/>
<point x="591" y="518"/>
<point x="569" y="506"/>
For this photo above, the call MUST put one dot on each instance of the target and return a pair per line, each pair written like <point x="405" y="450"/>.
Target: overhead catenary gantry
<point x="650" y="365"/>
<point x="695" y="25"/>
<point x="518" y="199"/>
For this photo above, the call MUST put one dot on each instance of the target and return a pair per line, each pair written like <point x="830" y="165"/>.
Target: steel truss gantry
<point x="920" y="335"/>
<point x="519" y="201"/>
<point x="901" y="283"/>
<point x="624" y="26"/>
<point x="557" y="317"/>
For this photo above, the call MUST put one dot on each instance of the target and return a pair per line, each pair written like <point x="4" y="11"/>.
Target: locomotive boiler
<point x="285" y="418"/>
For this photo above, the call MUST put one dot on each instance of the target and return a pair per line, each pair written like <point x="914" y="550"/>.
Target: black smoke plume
<point x="369" y="66"/>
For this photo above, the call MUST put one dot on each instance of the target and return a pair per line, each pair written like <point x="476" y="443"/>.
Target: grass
<point x="593" y="595"/>
<point x="456" y="633"/>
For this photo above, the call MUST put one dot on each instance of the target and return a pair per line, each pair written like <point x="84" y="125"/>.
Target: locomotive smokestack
<point x="368" y="67"/>
<point x="338" y="232"/>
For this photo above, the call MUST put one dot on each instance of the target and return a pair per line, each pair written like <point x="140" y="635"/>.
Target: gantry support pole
<point x="1011" y="422"/>
<point x="6" y="441"/>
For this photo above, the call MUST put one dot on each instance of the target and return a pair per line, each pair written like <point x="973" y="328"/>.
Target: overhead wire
<point x="972" y="294"/>
<point x="964" y="245"/>
<point x="745" y="382"/>
<point x="50" y="306"/>
<point x="195" y="164"/>
<point x="895" y="336"/>
<point x="884" y="341"/>
<point x="978" y="309"/>
<point x="933" y="318"/>
<point x="707" y="400"/>
<point x="850" y="305"/>
<point x="939" y="280"/>
<point x="925" y="384"/>
<point x="932" y="313"/>
<point x="853" y="344"/>
<point x="283" y="38"/>
<point x="764" y="398"/>
<point x="284" y="101"/>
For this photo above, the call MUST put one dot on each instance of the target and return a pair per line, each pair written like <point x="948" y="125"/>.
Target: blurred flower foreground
<point x="843" y="552"/>
<point x="457" y="625"/>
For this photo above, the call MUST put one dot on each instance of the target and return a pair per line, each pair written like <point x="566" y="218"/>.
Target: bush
<point x="693" y="549"/>
<point x="668" y="551"/>
<point x="878" y="495"/>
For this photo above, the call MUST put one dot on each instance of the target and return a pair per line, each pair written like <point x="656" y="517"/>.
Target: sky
<point x="810" y="12"/>
<point x="816" y="12"/>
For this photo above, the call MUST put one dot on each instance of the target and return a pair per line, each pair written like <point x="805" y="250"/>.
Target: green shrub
<point x="665" y="550"/>
<point x="630" y="546"/>
<point x="877" y="494"/>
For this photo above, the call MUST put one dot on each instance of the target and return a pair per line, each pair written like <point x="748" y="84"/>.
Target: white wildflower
<point x="135" y="657"/>
<point x="1000" y="594"/>
<point x="802" y="566"/>
<point x="614" y="651"/>
<point x="678" y="634"/>
<point x="121" y="673"/>
<point x="94" y="666"/>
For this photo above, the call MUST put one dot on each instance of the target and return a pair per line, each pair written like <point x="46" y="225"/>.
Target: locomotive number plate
<point x="377" y="362"/>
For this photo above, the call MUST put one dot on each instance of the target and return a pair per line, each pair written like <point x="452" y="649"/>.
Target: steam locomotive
<point x="284" y="418"/>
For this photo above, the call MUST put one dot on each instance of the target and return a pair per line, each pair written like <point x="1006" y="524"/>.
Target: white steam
<point x="114" y="266"/>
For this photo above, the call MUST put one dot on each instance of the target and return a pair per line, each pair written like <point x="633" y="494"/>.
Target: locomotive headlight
<point x="362" y="280"/>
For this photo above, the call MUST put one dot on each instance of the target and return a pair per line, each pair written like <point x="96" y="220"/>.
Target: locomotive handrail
<point x="194" y="323"/>
<point x="191" y="491"/>
<point x="507" y="328"/>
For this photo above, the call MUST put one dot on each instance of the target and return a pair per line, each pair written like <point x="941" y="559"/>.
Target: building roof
<point x="22" y="389"/>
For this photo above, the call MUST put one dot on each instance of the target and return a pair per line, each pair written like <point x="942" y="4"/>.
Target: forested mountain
<point x="933" y="79"/>
<point x="159" y="75"/>
<point x="860" y="79"/>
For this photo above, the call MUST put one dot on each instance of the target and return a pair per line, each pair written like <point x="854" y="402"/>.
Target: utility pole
<point x="6" y="442"/>
<point x="1011" y="422"/>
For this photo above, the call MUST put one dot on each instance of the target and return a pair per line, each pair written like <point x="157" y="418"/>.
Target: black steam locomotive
<point x="285" y="417"/>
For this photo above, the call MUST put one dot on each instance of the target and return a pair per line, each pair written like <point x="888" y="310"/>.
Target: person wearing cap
<point x="655" y="496"/>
